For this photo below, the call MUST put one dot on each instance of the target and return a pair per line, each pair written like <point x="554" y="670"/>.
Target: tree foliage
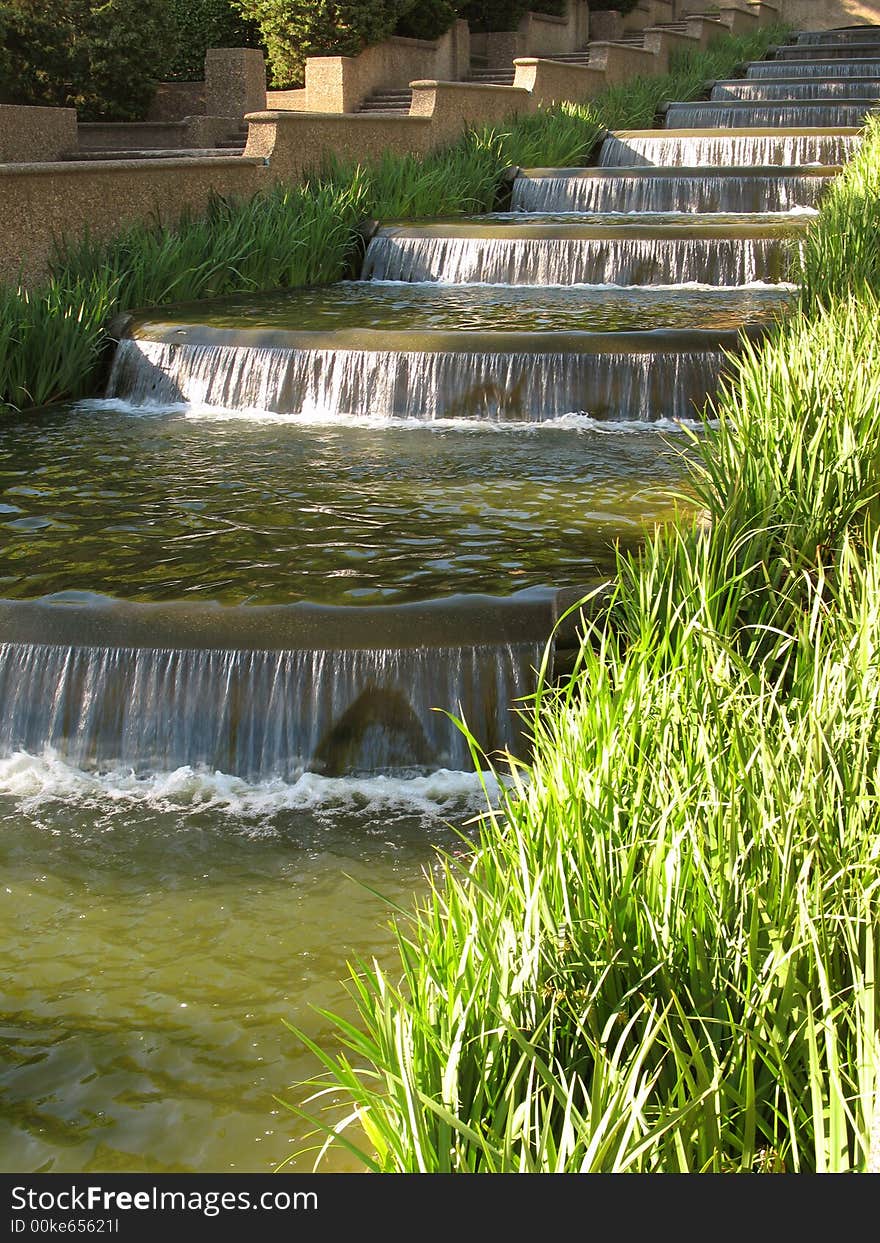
<point x="101" y="57"/>
<point x="295" y="29"/>
<point x="196" y="25"/>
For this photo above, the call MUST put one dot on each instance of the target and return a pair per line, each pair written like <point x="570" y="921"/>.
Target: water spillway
<point x="828" y="50"/>
<point x="692" y="190"/>
<point x="847" y="35"/>
<point x="243" y="591"/>
<point x="735" y="114"/>
<point x="700" y="148"/>
<point x="859" y="67"/>
<point x="782" y="89"/>
<point x="574" y="254"/>
<point x="262" y="711"/>
<point x="620" y="376"/>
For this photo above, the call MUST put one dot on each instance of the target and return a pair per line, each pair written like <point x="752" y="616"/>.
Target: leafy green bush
<point x="616" y="6"/>
<point x="427" y="19"/>
<point x="494" y="14"/>
<point x="295" y="29"/>
<point x="198" y="25"/>
<point x="97" y="56"/>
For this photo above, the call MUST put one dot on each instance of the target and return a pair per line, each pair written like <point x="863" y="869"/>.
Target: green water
<point x="155" y="940"/>
<point x="396" y="307"/>
<point x="164" y="506"/>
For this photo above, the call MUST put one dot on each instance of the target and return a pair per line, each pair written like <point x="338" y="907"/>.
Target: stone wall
<point x="42" y="202"/>
<point x="35" y="133"/>
<point x="175" y="100"/>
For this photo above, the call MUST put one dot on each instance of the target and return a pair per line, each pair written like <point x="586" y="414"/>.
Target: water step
<point x="705" y="147"/>
<point x="427" y="352"/>
<point x="506" y="377"/>
<point x="825" y="51"/>
<point x="797" y="88"/>
<point x="429" y="311"/>
<point x="642" y="253"/>
<point x="266" y="692"/>
<point x="856" y="67"/>
<point x="739" y="114"/>
<point x="732" y="189"/>
<point x="846" y="35"/>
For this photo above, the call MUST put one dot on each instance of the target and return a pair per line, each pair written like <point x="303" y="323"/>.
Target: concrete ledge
<point x="115" y="135"/>
<point x="293" y="143"/>
<point x="550" y="81"/>
<point x="192" y="131"/>
<point x="35" y="134"/>
<point x="40" y="203"/>
<point x="620" y="62"/>
<point x="452" y="106"/>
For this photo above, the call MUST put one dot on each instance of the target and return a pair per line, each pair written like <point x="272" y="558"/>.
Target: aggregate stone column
<point x="235" y="81"/>
<point x="605" y="24"/>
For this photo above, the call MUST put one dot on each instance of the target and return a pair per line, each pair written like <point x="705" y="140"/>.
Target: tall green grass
<point x="51" y="340"/>
<point x="662" y="954"/>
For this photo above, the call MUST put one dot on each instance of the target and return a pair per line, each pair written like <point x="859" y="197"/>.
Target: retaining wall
<point x="35" y="133"/>
<point x="43" y="202"/>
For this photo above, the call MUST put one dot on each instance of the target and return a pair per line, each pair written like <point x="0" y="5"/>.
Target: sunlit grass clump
<point x="662" y="955"/>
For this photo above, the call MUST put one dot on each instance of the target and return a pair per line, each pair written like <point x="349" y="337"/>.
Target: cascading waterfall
<point x="825" y="51"/>
<point x="570" y="261"/>
<point x="691" y="192"/>
<point x="260" y="714"/>
<point x="697" y="151"/>
<point x="867" y="67"/>
<point x="418" y="385"/>
<point x="848" y="35"/>
<point x="808" y="88"/>
<point x="737" y="116"/>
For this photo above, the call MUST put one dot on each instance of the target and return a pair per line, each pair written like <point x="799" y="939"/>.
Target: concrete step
<point x="388" y="103"/>
<point x="151" y="153"/>
<point x="492" y="75"/>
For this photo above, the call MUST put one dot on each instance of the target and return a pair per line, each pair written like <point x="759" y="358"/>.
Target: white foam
<point x="572" y="421"/>
<point x="776" y="286"/>
<point x="674" y="217"/>
<point x="32" y="781"/>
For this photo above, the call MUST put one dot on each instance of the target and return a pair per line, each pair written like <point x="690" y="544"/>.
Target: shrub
<point x="494" y="14"/>
<point x="198" y="25"/>
<point x="295" y="29"/>
<point x="616" y="6"/>
<point x="98" y="57"/>
<point x="427" y="19"/>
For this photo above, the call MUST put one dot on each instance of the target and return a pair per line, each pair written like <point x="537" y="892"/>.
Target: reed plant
<point x="52" y="343"/>
<point x="662" y="953"/>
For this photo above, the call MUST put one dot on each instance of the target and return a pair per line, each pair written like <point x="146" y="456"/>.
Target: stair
<point x="503" y="76"/>
<point x="150" y="153"/>
<point x="387" y="103"/>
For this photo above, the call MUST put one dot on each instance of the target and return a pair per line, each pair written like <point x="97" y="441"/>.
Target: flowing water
<point x="783" y="88"/>
<point x="243" y="591"/>
<point x="736" y="115"/>
<point x="857" y="67"/>
<point x="658" y="191"/>
<point x="695" y="150"/>
<point x="673" y="257"/>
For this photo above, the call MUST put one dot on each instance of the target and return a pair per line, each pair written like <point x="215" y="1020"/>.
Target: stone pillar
<point x="605" y="24"/>
<point x="235" y="81"/>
